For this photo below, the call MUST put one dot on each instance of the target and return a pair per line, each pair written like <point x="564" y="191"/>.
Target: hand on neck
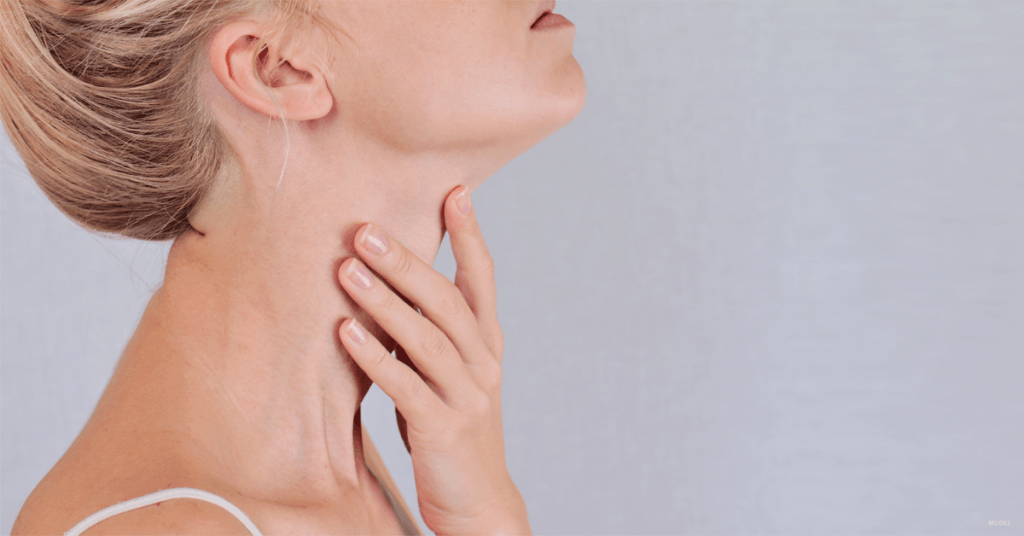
<point x="249" y="310"/>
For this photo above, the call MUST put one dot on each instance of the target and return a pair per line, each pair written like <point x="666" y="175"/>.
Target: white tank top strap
<point x="409" y="527"/>
<point x="163" y="495"/>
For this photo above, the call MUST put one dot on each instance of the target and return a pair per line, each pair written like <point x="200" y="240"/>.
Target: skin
<point x="243" y="378"/>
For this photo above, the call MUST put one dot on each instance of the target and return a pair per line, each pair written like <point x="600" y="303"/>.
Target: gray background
<point x="768" y="282"/>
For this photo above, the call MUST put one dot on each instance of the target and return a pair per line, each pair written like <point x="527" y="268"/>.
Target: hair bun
<point x="102" y="101"/>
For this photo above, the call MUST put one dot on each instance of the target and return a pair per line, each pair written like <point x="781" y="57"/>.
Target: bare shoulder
<point x="173" y="516"/>
<point x="94" y="475"/>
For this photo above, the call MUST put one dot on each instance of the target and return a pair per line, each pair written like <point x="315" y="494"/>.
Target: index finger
<point x="474" y="274"/>
<point x="440" y="302"/>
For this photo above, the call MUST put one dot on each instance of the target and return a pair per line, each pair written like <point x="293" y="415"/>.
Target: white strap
<point x="163" y="495"/>
<point x="409" y="527"/>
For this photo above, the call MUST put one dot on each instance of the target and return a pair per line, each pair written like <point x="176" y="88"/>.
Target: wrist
<point x="506" y="517"/>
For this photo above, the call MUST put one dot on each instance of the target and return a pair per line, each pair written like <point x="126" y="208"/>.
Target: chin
<point x="576" y="97"/>
<point x="566" y="103"/>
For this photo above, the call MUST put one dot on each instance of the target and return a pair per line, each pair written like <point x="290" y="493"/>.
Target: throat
<point x="277" y="419"/>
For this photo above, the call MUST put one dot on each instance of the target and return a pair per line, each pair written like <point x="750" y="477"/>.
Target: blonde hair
<point x="101" y="98"/>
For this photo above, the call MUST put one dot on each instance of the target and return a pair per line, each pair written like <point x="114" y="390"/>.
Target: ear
<point x="292" y="75"/>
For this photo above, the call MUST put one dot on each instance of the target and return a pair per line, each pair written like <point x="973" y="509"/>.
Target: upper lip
<point x="547" y="6"/>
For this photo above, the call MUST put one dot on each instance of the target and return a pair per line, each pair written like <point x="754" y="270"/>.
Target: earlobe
<point x="288" y="83"/>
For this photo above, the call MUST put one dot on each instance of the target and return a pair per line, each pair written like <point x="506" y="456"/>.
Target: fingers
<point x="474" y="274"/>
<point x="411" y="394"/>
<point x="430" y="350"/>
<point x="441" y="302"/>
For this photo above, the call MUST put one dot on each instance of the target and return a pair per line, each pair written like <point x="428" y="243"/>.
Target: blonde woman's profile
<point x="306" y="158"/>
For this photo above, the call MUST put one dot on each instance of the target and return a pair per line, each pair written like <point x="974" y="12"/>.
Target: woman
<point x="288" y="150"/>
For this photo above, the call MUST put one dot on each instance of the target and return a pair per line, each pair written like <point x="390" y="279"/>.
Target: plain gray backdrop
<point x="770" y="281"/>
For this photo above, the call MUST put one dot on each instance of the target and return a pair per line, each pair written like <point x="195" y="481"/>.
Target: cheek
<point x="453" y="81"/>
<point x="479" y="94"/>
<point x="435" y="97"/>
<point x="519" y="89"/>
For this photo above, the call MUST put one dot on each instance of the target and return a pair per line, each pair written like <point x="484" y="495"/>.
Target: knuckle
<point x="388" y="301"/>
<point x="495" y="340"/>
<point x="490" y="376"/>
<point x="434" y="345"/>
<point x="413" y="386"/>
<point x="380" y="359"/>
<point x="452" y="303"/>
<point x="479" y="405"/>
<point x="487" y="265"/>
<point x="403" y="264"/>
<point x="499" y="340"/>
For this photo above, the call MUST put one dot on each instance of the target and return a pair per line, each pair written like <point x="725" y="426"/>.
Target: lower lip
<point x="551" y="21"/>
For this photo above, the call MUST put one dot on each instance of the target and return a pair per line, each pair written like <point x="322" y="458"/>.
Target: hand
<point x="450" y="396"/>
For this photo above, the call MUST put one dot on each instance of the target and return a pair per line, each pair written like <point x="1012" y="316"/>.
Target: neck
<point x="246" y="321"/>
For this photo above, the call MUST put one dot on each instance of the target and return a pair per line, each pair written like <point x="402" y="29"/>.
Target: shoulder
<point x="173" y="516"/>
<point x="82" y="483"/>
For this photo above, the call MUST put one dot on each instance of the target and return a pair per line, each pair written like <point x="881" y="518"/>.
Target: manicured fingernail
<point x="356" y="331"/>
<point x="463" y="202"/>
<point x="358" y="274"/>
<point x="374" y="240"/>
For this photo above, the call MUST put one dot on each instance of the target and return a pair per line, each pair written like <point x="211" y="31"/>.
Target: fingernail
<point x="356" y="331"/>
<point x="374" y="240"/>
<point x="359" y="275"/>
<point x="463" y="202"/>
